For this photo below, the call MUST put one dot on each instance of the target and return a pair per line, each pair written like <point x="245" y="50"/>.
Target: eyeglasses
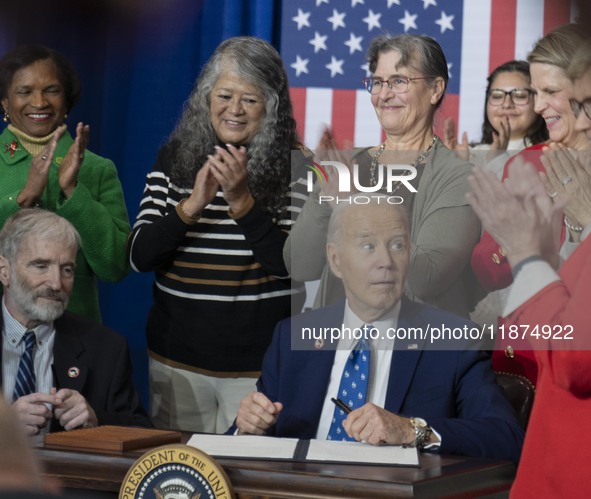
<point x="519" y="96"/>
<point x="397" y="83"/>
<point x="576" y="106"/>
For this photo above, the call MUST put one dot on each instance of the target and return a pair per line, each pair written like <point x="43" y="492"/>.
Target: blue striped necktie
<point x="353" y="387"/>
<point x="25" y="377"/>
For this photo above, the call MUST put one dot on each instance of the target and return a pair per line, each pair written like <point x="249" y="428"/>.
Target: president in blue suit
<point x="439" y="399"/>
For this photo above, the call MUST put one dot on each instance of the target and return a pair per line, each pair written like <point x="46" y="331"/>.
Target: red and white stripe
<point x="496" y="31"/>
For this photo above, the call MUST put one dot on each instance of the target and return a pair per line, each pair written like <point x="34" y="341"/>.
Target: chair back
<point x="520" y="392"/>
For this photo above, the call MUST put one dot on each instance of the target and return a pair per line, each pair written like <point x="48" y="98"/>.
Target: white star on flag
<point x="449" y="65"/>
<point x="302" y="19"/>
<point x="445" y="22"/>
<point x="319" y="2"/>
<point x="355" y="2"/>
<point x="393" y="2"/>
<point x="426" y="3"/>
<point x="354" y="43"/>
<point x="408" y="21"/>
<point x="335" y="66"/>
<point x="300" y="66"/>
<point x="372" y="20"/>
<point x="319" y="42"/>
<point x="337" y="19"/>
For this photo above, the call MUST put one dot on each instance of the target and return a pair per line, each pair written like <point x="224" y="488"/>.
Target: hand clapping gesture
<point x="229" y="168"/>
<point x="38" y="176"/>
<point x="70" y="165"/>
<point x="450" y="141"/>
<point x="518" y="213"/>
<point x="569" y="176"/>
<point x="500" y="141"/>
<point x="328" y="150"/>
<point x="39" y="172"/>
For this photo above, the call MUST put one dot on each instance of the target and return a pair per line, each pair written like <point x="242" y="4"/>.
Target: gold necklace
<point x="374" y="162"/>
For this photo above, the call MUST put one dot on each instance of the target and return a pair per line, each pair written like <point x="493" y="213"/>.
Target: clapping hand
<point x="568" y="174"/>
<point x="518" y="213"/>
<point x="38" y="175"/>
<point x="328" y="150"/>
<point x="501" y="137"/>
<point x="70" y="165"/>
<point x="450" y="141"/>
<point x="230" y="169"/>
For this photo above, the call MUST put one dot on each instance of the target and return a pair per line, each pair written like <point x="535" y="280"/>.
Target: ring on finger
<point x="553" y="194"/>
<point x="567" y="180"/>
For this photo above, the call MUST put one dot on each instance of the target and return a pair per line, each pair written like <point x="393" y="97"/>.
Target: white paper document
<point x="256" y="447"/>
<point x="249" y="446"/>
<point x="359" y="452"/>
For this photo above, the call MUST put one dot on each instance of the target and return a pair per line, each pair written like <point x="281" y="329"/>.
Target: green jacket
<point x="96" y="208"/>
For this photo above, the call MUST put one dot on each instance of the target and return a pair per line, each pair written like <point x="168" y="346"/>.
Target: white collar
<point x="383" y="324"/>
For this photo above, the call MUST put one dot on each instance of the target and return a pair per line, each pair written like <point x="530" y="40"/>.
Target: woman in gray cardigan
<point x="408" y="82"/>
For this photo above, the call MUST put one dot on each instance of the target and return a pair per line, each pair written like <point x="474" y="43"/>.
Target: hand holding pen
<point x="341" y="405"/>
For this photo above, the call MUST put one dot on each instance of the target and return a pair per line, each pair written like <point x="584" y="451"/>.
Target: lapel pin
<point x="318" y="344"/>
<point x="73" y="372"/>
<point x="11" y="148"/>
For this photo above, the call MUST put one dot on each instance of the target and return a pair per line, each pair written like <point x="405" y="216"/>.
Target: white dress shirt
<point x="381" y="360"/>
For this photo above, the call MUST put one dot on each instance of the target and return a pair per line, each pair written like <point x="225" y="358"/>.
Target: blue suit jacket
<point x="455" y="391"/>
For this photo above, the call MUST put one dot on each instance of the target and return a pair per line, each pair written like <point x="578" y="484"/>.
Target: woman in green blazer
<point x="41" y="164"/>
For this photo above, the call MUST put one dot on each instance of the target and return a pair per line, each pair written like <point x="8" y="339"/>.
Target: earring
<point x="6" y="117"/>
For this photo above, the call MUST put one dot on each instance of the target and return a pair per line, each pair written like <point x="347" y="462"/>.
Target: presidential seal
<point x="176" y="472"/>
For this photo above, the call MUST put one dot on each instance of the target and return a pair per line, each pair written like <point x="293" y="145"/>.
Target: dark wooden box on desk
<point x="438" y="476"/>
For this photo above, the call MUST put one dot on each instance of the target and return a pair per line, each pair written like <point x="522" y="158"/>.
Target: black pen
<point x="341" y="405"/>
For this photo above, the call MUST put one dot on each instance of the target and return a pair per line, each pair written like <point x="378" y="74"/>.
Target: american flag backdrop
<point x="324" y="42"/>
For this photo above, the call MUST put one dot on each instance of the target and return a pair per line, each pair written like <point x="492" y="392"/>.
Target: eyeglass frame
<point x="576" y="107"/>
<point x="509" y="93"/>
<point x="390" y="85"/>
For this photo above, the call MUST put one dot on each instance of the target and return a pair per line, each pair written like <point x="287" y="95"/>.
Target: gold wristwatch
<point x="422" y="432"/>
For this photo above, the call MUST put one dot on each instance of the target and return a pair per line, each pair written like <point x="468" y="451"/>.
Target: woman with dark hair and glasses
<point x="549" y="62"/>
<point x="510" y="122"/>
<point x="41" y="164"/>
<point x="407" y="85"/>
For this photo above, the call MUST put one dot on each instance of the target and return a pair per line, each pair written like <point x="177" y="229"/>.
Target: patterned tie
<point x="353" y="387"/>
<point x="25" y="378"/>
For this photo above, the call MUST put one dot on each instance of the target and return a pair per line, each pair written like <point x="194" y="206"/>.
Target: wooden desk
<point x="438" y="476"/>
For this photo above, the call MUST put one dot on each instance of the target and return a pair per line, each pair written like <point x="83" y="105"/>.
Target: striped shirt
<point x="220" y="285"/>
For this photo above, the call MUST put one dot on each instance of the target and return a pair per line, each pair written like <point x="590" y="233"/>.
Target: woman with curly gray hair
<point x="213" y="220"/>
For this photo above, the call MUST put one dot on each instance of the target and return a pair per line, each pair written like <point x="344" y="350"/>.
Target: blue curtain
<point x="138" y="61"/>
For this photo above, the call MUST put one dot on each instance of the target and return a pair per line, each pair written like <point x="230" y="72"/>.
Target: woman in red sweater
<point x="549" y="61"/>
<point x="556" y="449"/>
